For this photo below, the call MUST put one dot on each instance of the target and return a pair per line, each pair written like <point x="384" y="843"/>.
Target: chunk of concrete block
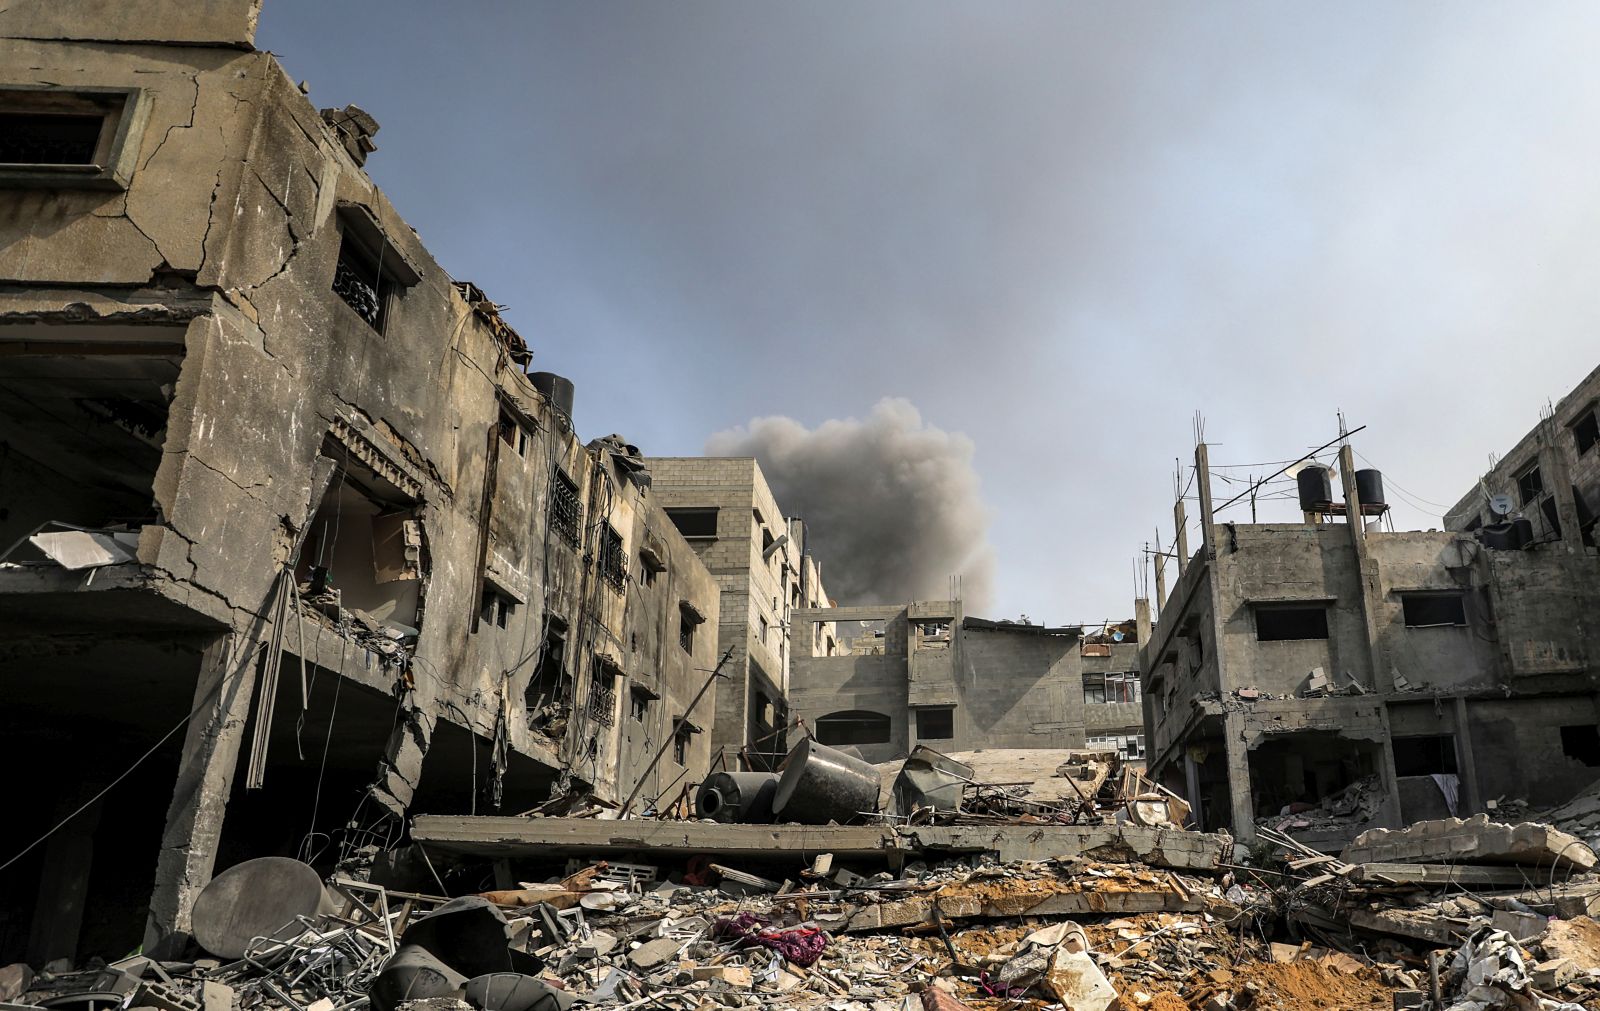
<point x="652" y="953"/>
<point x="1471" y="840"/>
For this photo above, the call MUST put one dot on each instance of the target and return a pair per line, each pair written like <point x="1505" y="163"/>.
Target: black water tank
<point x="1369" y="487"/>
<point x="1521" y="532"/>
<point x="557" y="389"/>
<point x="1316" y="489"/>
<point x="1497" y="537"/>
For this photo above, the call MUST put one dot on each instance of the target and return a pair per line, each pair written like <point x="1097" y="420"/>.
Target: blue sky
<point x="1056" y="229"/>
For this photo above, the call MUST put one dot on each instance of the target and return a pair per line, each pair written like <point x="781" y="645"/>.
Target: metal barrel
<point x="821" y="784"/>
<point x="737" y="797"/>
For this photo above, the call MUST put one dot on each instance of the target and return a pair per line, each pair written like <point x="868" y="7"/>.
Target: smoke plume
<point x="891" y="504"/>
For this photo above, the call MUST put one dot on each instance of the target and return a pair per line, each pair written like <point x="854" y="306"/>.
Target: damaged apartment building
<point x="726" y="510"/>
<point x="1328" y="675"/>
<point x="292" y="540"/>
<point x="926" y="674"/>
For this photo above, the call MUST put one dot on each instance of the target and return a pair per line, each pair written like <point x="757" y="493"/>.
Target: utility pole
<point x="715" y="673"/>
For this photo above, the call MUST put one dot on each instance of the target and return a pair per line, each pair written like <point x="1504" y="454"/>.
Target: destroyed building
<point x="1328" y="675"/>
<point x="290" y="540"/>
<point x="925" y="673"/>
<point x="726" y="510"/>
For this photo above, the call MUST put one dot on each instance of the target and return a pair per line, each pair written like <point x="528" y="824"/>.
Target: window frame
<point x="1260" y="608"/>
<point x="1585" y="429"/>
<point x="124" y="112"/>
<point x="676" y="513"/>
<point x="1421" y="598"/>
<point x="1530" y="471"/>
<point x="948" y="712"/>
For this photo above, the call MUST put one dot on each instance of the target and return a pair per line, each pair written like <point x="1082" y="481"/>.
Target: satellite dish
<point x="1116" y="636"/>
<point x="1501" y="505"/>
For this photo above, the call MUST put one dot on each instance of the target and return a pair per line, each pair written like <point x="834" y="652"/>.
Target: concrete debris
<point x="1472" y="840"/>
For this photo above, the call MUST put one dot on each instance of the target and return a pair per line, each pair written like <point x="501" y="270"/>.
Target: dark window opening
<point x="565" y="509"/>
<point x="1582" y="742"/>
<point x="640" y="703"/>
<point x="360" y="282"/>
<point x="856" y="726"/>
<point x="1425" y="756"/>
<point x="650" y="566"/>
<point x="692" y="523"/>
<point x="936" y="724"/>
<point x="613" y="560"/>
<point x="30" y="138"/>
<point x="680" y="745"/>
<point x="1586" y="432"/>
<point x="1426" y="609"/>
<point x="545" y="687"/>
<point x="767" y="541"/>
<point x="688" y="621"/>
<point x="496" y="608"/>
<point x="513" y="433"/>
<point x="1279" y="623"/>
<point x="1530" y="485"/>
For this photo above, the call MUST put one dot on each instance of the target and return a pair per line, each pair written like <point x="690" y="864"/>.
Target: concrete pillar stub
<point x="223" y="693"/>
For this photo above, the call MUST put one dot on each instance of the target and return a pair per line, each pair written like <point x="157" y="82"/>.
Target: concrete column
<point x="1368" y="585"/>
<point x="1191" y="779"/>
<point x="1466" y="762"/>
<point x="1240" y="799"/>
<point x="64" y="883"/>
<point x="223" y="692"/>
<point x="1181" y="545"/>
<point x="1391" y="814"/>
<point x="1553" y="462"/>
<point x="1202" y="481"/>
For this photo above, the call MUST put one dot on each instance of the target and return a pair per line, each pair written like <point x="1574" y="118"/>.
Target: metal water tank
<point x="1316" y="489"/>
<point x="557" y="389"/>
<point x="1369" y="487"/>
<point x="737" y="797"/>
<point x="1521" y="532"/>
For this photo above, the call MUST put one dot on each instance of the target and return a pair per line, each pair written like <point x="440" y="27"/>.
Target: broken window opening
<point x="513" y="433"/>
<point x="613" y="560"/>
<point x="1586" y="431"/>
<point x="639" y="698"/>
<point x="689" y="619"/>
<point x="934" y="634"/>
<point x="936" y="723"/>
<point x="544" y="692"/>
<point x="1428" y="755"/>
<point x="853" y="726"/>
<point x="1427" y="610"/>
<point x="363" y="561"/>
<point x="1111" y="688"/>
<point x="1317" y="771"/>
<point x="358" y="280"/>
<point x="651" y="565"/>
<point x="681" y="735"/>
<point x="1581" y="742"/>
<point x="84" y="431"/>
<point x="1530" y="485"/>
<point x="695" y="523"/>
<point x="1552" y="515"/>
<point x="1280" y="622"/>
<point x="566" y="508"/>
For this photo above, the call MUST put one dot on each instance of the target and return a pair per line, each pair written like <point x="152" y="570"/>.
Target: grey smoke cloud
<point x="892" y="503"/>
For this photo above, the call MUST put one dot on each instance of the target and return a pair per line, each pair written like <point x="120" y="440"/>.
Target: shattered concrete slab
<point x="1472" y="840"/>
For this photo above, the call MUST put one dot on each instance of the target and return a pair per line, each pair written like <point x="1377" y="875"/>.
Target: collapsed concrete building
<point x="727" y="512"/>
<point x="289" y="533"/>
<point x="925" y="673"/>
<point x="1329" y="675"/>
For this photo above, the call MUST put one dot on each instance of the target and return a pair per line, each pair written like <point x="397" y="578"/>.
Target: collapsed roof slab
<point x="499" y="837"/>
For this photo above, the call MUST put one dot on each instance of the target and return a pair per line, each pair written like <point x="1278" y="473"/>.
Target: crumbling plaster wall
<point x="1517" y="746"/>
<point x="1442" y="657"/>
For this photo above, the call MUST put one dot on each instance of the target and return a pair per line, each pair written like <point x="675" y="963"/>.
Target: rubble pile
<point x="1579" y="817"/>
<point x="1352" y="807"/>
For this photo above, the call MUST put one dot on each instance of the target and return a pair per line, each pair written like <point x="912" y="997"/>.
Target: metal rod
<point x="716" y="672"/>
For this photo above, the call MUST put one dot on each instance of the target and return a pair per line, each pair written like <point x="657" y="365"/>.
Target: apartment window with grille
<point x="1586" y="432"/>
<point x="603" y="694"/>
<point x="1530" y="485"/>
<point x="361" y="284"/>
<point x="613" y="560"/>
<point x="566" y="511"/>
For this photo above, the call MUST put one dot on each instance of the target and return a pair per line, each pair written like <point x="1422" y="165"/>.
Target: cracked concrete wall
<point x="193" y="22"/>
